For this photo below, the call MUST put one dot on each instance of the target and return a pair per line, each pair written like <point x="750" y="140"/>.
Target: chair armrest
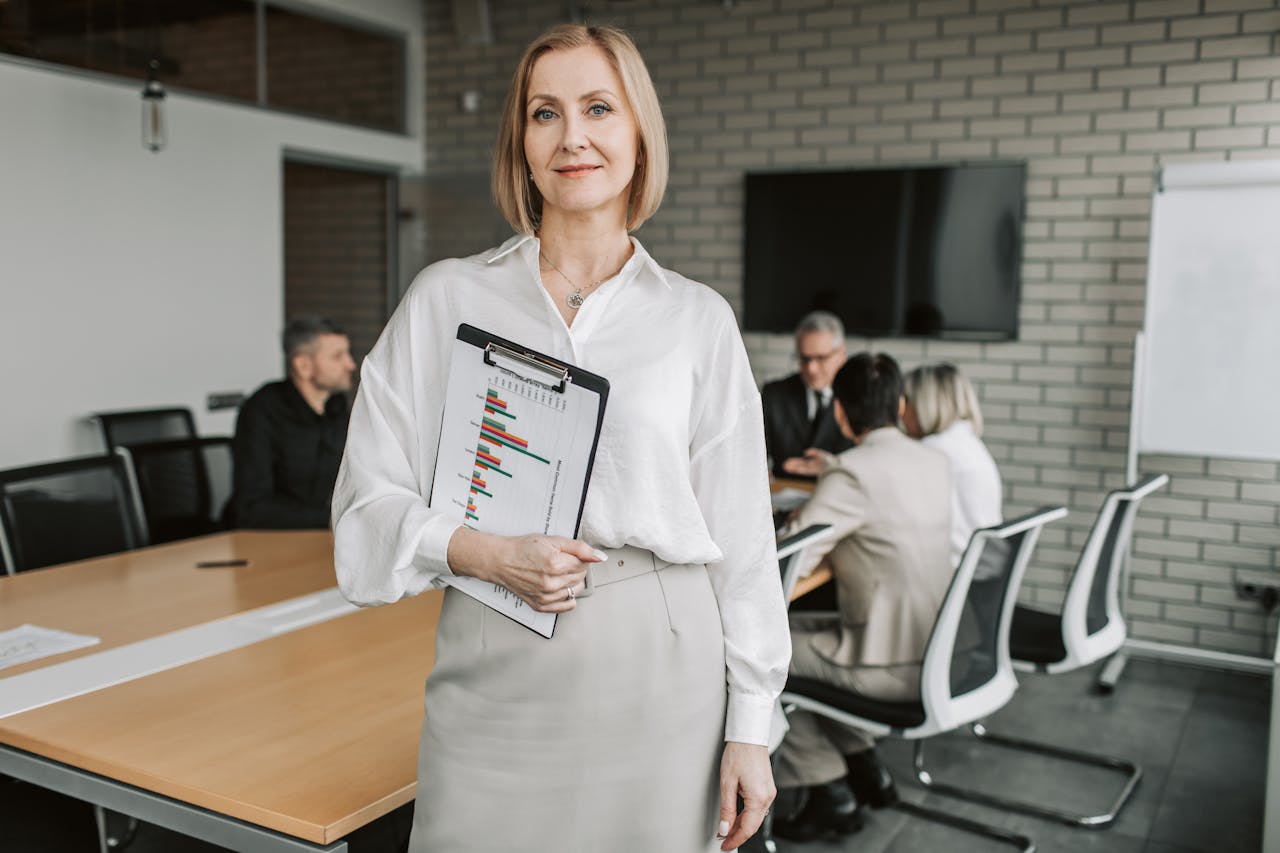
<point x="802" y="539"/>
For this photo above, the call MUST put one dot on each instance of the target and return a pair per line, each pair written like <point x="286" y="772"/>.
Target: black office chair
<point x="966" y="673"/>
<point x="1089" y="627"/>
<point x="182" y="485"/>
<point x="64" y="511"/>
<point x="137" y="425"/>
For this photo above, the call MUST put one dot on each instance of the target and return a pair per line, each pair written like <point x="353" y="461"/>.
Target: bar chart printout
<point x="514" y="455"/>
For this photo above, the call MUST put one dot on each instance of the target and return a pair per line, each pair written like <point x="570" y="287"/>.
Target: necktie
<point x="819" y="410"/>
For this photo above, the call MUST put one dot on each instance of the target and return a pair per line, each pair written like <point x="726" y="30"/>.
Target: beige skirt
<point x="606" y="737"/>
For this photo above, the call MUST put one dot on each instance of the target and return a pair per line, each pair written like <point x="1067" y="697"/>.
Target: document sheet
<point x="514" y="456"/>
<point x="31" y="642"/>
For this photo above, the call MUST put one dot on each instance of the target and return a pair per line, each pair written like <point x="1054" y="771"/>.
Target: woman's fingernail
<point x="724" y="828"/>
<point x="601" y="555"/>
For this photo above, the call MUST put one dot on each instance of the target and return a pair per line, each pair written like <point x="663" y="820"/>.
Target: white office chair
<point x="790" y="551"/>
<point x="1091" y="624"/>
<point x="1089" y="628"/>
<point x="966" y="673"/>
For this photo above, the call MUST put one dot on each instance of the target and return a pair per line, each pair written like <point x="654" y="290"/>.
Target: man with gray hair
<point x="290" y="434"/>
<point x="800" y="428"/>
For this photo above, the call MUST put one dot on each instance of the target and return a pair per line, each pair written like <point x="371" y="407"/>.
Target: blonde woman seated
<point x="942" y="411"/>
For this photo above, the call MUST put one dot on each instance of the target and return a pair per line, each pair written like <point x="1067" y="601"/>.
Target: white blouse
<point x="680" y="467"/>
<point x="976" y="493"/>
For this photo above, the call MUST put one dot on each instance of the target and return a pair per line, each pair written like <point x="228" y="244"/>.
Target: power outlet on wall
<point x="1265" y="594"/>
<point x="224" y="400"/>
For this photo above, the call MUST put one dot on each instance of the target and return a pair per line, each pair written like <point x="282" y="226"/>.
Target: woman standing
<point x="638" y="726"/>
<point x="942" y="411"/>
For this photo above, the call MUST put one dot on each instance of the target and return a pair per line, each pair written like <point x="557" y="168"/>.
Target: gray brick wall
<point x="1092" y="94"/>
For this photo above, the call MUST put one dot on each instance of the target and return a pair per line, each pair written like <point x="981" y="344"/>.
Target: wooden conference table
<point x="287" y="743"/>
<point x="244" y="705"/>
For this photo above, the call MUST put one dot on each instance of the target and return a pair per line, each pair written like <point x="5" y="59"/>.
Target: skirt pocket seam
<point x="666" y="605"/>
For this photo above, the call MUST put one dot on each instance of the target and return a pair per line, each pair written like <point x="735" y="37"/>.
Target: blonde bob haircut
<point x="941" y="396"/>
<point x="514" y="192"/>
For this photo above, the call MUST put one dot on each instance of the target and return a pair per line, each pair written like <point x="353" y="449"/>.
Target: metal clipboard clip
<point x="555" y="375"/>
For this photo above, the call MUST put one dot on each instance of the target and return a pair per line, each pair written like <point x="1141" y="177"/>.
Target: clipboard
<point x="517" y="444"/>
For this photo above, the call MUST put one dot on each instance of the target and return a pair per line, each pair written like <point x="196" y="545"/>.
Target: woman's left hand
<point x="744" y="772"/>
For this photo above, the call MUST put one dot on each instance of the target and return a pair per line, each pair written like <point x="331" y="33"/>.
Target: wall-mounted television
<point x="928" y="251"/>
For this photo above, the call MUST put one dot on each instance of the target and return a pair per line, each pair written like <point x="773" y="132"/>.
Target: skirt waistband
<point x="623" y="564"/>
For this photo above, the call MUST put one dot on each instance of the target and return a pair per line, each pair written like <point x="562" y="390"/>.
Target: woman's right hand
<point x="540" y="570"/>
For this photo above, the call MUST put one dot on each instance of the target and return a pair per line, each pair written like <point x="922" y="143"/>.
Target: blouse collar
<point x="529" y="243"/>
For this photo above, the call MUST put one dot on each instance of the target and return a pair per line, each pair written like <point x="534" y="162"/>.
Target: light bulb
<point x="154" y="135"/>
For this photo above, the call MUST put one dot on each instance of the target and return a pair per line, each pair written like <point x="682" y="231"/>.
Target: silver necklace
<point x="574" y="299"/>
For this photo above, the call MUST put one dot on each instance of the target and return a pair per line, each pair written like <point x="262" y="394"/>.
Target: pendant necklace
<point x="576" y="298"/>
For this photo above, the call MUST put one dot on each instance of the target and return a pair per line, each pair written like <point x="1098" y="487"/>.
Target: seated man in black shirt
<point x="290" y="434"/>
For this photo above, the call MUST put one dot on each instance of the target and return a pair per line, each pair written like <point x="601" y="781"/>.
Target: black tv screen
<point x="930" y="251"/>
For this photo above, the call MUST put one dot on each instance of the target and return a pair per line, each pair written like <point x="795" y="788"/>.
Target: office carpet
<point x="1200" y="735"/>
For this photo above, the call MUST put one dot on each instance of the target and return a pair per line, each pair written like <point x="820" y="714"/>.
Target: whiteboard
<point x="1210" y="362"/>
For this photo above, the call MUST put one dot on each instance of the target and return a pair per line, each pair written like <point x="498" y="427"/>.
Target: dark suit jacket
<point x="787" y="429"/>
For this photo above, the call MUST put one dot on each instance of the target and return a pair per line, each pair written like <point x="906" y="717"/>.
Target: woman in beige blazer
<point x="889" y="503"/>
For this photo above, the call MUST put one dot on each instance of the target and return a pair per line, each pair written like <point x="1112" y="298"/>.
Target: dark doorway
<point x="338" y="248"/>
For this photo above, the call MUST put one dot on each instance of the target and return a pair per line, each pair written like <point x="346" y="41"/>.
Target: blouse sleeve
<point x="730" y="480"/>
<point x="388" y="543"/>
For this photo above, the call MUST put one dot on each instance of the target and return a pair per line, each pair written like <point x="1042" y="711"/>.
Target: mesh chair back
<point x="975" y="656"/>
<point x="66" y="511"/>
<point x="1096" y="615"/>
<point x="139" y="425"/>
<point x="183" y="485"/>
<point x="967" y="672"/>
<point x="1093" y="596"/>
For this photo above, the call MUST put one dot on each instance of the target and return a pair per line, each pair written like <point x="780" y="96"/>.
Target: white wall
<point x="131" y="279"/>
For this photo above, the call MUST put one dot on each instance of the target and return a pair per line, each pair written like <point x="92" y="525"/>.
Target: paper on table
<point x="31" y="642"/>
<point x="785" y="500"/>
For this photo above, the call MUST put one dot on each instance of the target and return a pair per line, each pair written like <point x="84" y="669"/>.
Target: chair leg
<point x="996" y="833"/>
<point x="1109" y="677"/>
<point x="766" y="833"/>
<point x="1133" y="774"/>
<point x="100" y="819"/>
<point x="108" y="843"/>
<point x="130" y="831"/>
<point x="986" y="830"/>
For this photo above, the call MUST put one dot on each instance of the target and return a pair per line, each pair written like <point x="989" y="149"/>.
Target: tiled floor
<point x="1200" y="735"/>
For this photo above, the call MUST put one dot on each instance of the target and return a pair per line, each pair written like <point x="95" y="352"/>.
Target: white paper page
<point x="31" y="642"/>
<point x="513" y="460"/>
